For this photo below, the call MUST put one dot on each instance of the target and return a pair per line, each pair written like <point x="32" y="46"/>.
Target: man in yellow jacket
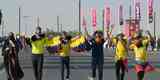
<point x="38" y="41"/>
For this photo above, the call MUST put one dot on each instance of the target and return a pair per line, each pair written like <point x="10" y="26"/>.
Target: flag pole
<point x="103" y="20"/>
<point x="19" y="20"/>
<point x="79" y="16"/>
<point x="154" y="24"/>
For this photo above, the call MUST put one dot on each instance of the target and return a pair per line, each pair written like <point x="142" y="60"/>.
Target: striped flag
<point x="121" y="15"/>
<point x="150" y="10"/>
<point x="137" y="10"/>
<point x="94" y="17"/>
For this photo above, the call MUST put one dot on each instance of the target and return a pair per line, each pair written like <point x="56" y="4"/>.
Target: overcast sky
<point x="48" y="10"/>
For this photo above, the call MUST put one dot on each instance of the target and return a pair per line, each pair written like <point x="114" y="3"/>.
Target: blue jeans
<point x="37" y="61"/>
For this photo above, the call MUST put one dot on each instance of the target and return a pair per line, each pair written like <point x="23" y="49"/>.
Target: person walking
<point x="11" y="62"/>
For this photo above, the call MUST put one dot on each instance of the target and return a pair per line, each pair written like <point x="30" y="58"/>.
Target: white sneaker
<point x="67" y="79"/>
<point x="91" y="78"/>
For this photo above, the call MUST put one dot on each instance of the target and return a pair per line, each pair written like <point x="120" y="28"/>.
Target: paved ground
<point x="80" y="74"/>
<point x="80" y="67"/>
<point x="83" y="74"/>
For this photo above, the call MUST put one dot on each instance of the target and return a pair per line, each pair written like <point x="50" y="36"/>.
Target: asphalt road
<point x="83" y="74"/>
<point x="80" y="74"/>
<point x="80" y="67"/>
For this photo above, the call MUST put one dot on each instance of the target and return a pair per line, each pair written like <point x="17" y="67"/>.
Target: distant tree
<point x="73" y="33"/>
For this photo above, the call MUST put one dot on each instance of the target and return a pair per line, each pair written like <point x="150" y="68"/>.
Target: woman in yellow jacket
<point x="141" y="57"/>
<point x="120" y="55"/>
<point x="64" y="53"/>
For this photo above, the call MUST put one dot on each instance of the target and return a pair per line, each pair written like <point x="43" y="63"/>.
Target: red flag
<point x="107" y="16"/>
<point x="126" y="30"/>
<point x="137" y="10"/>
<point x="121" y="15"/>
<point x="94" y="17"/>
<point x="150" y="10"/>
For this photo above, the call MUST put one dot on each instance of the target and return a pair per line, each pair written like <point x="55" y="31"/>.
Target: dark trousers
<point x="65" y="63"/>
<point x="11" y="68"/>
<point x="97" y="65"/>
<point x="120" y="70"/>
<point x="140" y="75"/>
<point x="37" y="61"/>
<point x="6" y="64"/>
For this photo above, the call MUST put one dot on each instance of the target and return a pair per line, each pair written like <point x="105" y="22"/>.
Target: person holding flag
<point x="139" y="47"/>
<point x="65" y="46"/>
<point x="64" y="53"/>
<point x="120" y="43"/>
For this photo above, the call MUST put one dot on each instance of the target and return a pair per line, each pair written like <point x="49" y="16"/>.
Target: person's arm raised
<point x="86" y="34"/>
<point x="108" y="32"/>
<point x="149" y="35"/>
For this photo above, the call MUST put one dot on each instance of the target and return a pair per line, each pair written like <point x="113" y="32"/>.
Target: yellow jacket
<point x="53" y="42"/>
<point x="139" y="53"/>
<point x="38" y="46"/>
<point x="120" y="53"/>
<point x="65" y="50"/>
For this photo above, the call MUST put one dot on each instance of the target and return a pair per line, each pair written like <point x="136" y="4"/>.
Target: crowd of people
<point x="138" y="44"/>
